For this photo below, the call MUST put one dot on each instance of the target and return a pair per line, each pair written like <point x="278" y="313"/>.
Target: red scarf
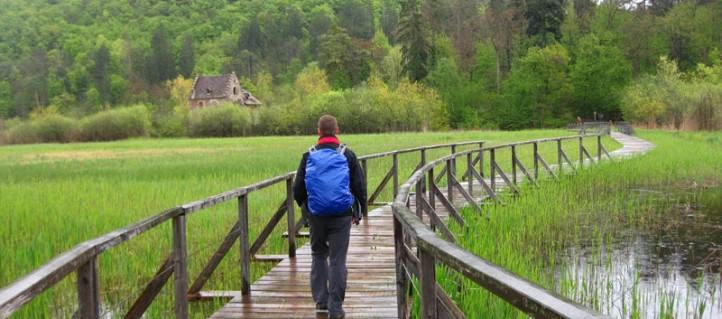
<point x="329" y="139"/>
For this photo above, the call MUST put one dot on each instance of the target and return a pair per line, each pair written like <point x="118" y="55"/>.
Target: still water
<point x="667" y="268"/>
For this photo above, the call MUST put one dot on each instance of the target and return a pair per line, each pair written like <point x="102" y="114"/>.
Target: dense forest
<point x="378" y="64"/>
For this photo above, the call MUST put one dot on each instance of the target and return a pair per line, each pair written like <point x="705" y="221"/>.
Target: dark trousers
<point x="329" y="246"/>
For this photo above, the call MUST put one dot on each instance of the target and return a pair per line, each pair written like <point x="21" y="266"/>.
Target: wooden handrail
<point x="519" y="292"/>
<point x="81" y="258"/>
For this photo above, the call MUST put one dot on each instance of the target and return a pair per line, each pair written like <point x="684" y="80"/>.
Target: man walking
<point x="328" y="182"/>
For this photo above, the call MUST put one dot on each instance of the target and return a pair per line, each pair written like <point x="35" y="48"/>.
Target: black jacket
<point x="357" y="179"/>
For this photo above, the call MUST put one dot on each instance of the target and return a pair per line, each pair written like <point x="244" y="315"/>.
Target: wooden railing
<point x="83" y="258"/>
<point x="419" y="249"/>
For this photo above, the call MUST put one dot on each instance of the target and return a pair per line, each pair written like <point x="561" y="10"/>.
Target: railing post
<point x="559" y="156"/>
<point x="419" y="196"/>
<point x="423" y="162"/>
<point x="428" y="284"/>
<point x="469" y="167"/>
<point x="513" y="164"/>
<point x="481" y="160"/>
<point x="366" y="178"/>
<point x="396" y="174"/>
<point x="599" y="148"/>
<point x="290" y="211"/>
<point x="431" y="195"/>
<point x="244" y="245"/>
<point x="180" y="271"/>
<point x="401" y="280"/>
<point x="581" y="152"/>
<point x="492" y="170"/>
<point x="88" y="292"/>
<point x="449" y="182"/>
<point x="452" y="168"/>
<point x="536" y="161"/>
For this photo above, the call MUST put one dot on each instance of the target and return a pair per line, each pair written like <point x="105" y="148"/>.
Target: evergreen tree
<point x="544" y="17"/>
<point x="101" y="72"/>
<point x="344" y="64"/>
<point x="389" y="18"/>
<point x="162" y="64"/>
<point x="357" y="18"/>
<point x="187" y="56"/>
<point x="414" y="46"/>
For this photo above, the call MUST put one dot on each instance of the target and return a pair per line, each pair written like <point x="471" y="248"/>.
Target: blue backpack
<point x="327" y="182"/>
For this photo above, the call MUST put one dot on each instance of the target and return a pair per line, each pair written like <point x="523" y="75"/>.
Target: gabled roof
<point x="211" y="87"/>
<point x="249" y="99"/>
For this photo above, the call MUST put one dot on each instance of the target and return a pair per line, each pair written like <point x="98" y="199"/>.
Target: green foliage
<point x="538" y="90"/>
<point x="599" y="75"/>
<point x="116" y="124"/>
<point x="545" y="18"/>
<point x="344" y="63"/>
<point x="219" y="120"/>
<point x="415" y="50"/>
<point x="52" y="128"/>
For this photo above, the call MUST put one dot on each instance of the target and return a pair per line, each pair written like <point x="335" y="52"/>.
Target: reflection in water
<point x="669" y="268"/>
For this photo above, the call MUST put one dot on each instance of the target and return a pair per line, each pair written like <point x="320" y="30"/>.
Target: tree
<point x="538" y="90"/>
<point x="357" y="18"/>
<point x="414" y="46"/>
<point x="545" y="19"/>
<point x="344" y="64"/>
<point x="101" y="72"/>
<point x="321" y="19"/>
<point x="599" y="75"/>
<point x="389" y="18"/>
<point x="187" y="56"/>
<point x="162" y="64"/>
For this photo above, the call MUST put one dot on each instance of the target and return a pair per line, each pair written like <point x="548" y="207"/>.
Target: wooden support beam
<point x="448" y="205"/>
<point x="445" y="303"/>
<point x="215" y="260"/>
<point x="505" y="178"/>
<point x="435" y="220"/>
<point x="485" y="186"/>
<point x="396" y="173"/>
<point x="541" y="160"/>
<point x="291" y="219"/>
<point x="469" y="199"/>
<point x="525" y="171"/>
<point x="428" y="285"/>
<point x="401" y="279"/>
<point x="151" y="290"/>
<point x="381" y="186"/>
<point x="275" y="219"/>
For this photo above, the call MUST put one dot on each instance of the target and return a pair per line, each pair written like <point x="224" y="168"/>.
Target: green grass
<point x="55" y="196"/>
<point x="589" y="209"/>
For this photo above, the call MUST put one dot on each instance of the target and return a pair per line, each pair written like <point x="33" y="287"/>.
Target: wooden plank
<point x="505" y="178"/>
<point x="546" y="166"/>
<point x="487" y="188"/>
<point x="428" y="285"/>
<point x="381" y="186"/>
<point x="436" y="221"/>
<point x="447" y="204"/>
<point x="268" y="229"/>
<point x="524" y="170"/>
<point x="245" y="249"/>
<point x="469" y="200"/>
<point x="291" y="219"/>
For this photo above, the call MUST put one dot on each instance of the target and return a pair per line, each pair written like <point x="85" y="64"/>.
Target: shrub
<point x="221" y="120"/>
<point x="116" y="124"/>
<point x="168" y="124"/>
<point x="54" y="128"/>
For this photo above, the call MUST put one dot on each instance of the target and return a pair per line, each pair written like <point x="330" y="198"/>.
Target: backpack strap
<point x="341" y="148"/>
<point x="312" y="149"/>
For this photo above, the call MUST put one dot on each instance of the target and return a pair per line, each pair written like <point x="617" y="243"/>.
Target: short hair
<point x="327" y="125"/>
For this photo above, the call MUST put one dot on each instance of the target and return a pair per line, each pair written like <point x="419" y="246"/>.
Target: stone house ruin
<point x="213" y="90"/>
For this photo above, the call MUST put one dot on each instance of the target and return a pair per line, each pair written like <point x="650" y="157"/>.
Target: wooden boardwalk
<point x="284" y="292"/>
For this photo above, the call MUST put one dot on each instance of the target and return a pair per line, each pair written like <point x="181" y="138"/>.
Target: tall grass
<point x="55" y="196"/>
<point x="582" y="218"/>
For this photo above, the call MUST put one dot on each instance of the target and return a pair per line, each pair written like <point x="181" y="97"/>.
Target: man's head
<point x="327" y="125"/>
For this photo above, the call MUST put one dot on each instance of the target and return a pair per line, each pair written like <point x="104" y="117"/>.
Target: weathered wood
<point x="20" y="292"/>
<point x="513" y="164"/>
<point x="449" y="184"/>
<point x="245" y="249"/>
<point x="401" y="279"/>
<point x="469" y="199"/>
<point x="215" y="260"/>
<point x="381" y="186"/>
<point x="428" y="284"/>
<point x="396" y="174"/>
<point x="151" y="290"/>
<point x="88" y="292"/>
<point x="519" y="292"/>
<point x="470" y="179"/>
<point x="492" y="167"/>
<point x="536" y="160"/>
<point x="180" y="270"/>
<point x="489" y="191"/>
<point x="275" y="219"/>
<point x="450" y="306"/>
<point x="441" y="174"/>
<point x="506" y="178"/>
<point x="436" y="221"/>
<point x="447" y="204"/>
<point x="291" y="218"/>
<point x="431" y="194"/>
<point x="518" y="163"/>
<point x="566" y="158"/>
<point x="545" y="165"/>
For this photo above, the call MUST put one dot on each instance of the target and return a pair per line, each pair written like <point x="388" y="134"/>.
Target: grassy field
<point x="55" y="196"/>
<point x="577" y="236"/>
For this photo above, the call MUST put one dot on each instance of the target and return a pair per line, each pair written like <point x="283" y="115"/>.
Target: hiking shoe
<point x="321" y="306"/>
<point x="338" y="315"/>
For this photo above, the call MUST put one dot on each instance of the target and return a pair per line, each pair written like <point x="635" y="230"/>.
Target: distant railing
<point x="624" y="127"/>
<point x="83" y="258"/>
<point x="590" y="127"/>
<point x="431" y="250"/>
